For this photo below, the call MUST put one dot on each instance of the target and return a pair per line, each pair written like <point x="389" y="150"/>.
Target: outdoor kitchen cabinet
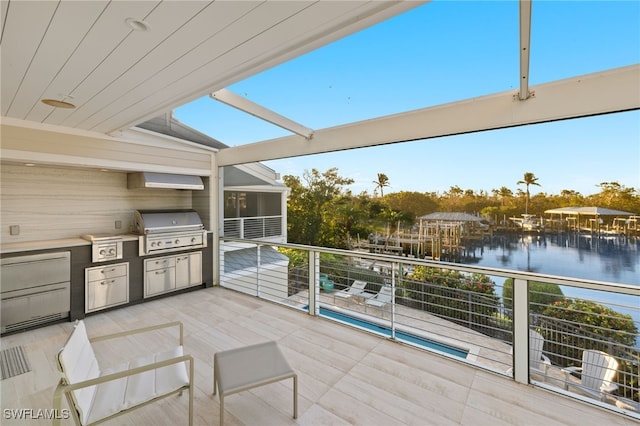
<point x="106" y="286"/>
<point x="168" y="273"/>
<point x="188" y="270"/>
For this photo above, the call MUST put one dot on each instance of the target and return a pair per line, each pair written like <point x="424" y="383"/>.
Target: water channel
<point x="607" y="258"/>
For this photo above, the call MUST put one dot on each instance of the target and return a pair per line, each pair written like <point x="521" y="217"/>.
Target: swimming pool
<point x="400" y="335"/>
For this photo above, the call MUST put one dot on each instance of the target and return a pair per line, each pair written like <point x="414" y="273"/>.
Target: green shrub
<point x="541" y="295"/>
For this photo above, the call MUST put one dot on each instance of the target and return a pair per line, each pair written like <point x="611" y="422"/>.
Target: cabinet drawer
<point x="159" y="263"/>
<point x="108" y="271"/>
<point x="47" y="300"/>
<point x="107" y="292"/>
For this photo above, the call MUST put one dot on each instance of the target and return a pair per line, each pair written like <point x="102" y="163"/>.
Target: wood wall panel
<point x="53" y="203"/>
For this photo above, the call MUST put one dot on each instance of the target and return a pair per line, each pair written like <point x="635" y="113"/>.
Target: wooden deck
<point x="346" y="376"/>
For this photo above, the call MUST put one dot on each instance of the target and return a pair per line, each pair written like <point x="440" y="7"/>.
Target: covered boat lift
<point x="594" y="219"/>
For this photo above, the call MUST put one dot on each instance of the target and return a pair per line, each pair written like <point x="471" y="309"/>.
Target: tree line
<point x="322" y="210"/>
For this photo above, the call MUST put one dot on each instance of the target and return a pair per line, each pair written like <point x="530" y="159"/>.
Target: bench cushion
<point x="118" y="395"/>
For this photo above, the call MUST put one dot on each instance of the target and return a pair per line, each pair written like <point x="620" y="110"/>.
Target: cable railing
<point x="477" y="315"/>
<point x="253" y="227"/>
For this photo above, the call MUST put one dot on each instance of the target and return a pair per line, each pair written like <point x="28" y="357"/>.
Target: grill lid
<point x="154" y="221"/>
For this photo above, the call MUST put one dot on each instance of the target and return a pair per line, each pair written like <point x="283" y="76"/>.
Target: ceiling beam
<point x="605" y="92"/>
<point x="229" y="98"/>
<point x="525" y="45"/>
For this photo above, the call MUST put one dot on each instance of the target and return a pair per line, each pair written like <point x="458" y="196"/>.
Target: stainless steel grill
<point x="164" y="231"/>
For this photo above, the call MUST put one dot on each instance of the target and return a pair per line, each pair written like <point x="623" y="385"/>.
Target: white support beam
<point x="229" y="98"/>
<point x="525" y="44"/>
<point x="605" y="92"/>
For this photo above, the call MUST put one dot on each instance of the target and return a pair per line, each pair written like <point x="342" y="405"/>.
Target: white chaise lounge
<point x="384" y="296"/>
<point x="356" y="289"/>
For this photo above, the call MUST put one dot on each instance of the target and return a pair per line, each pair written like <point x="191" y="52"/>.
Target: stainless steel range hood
<point x="163" y="181"/>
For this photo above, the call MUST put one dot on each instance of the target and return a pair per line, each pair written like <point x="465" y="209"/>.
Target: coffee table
<point x="244" y="368"/>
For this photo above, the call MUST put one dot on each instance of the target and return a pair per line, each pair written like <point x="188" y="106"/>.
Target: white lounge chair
<point x="384" y="296"/>
<point x="596" y="374"/>
<point x="357" y="288"/>
<point x="95" y="395"/>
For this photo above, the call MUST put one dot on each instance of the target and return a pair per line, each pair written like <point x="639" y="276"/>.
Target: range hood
<point x="163" y="181"/>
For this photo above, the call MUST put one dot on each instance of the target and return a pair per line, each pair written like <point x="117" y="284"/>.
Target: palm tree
<point x="382" y="181"/>
<point x="529" y="179"/>
<point x="503" y="193"/>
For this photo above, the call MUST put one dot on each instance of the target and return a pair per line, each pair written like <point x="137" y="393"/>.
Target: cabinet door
<point x="182" y="271"/>
<point x="159" y="281"/>
<point x="188" y="269"/>
<point x="195" y="268"/>
<point x="108" y="292"/>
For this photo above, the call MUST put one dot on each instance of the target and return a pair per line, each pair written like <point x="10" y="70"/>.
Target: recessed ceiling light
<point x="137" y="24"/>
<point x="29" y="164"/>
<point x="58" y="104"/>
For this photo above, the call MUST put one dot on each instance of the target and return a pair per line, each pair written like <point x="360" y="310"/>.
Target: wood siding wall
<point x="56" y="202"/>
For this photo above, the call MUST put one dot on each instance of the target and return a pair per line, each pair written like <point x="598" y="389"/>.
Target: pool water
<point x="400" y="335"/>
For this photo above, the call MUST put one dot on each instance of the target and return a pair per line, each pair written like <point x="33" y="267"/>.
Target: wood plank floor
<point x="346" y="376"/>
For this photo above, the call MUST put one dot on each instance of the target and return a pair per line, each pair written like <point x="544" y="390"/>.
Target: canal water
<point x="614" y="259"/>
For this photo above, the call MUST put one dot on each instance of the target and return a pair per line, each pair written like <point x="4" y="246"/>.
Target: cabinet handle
<point x="161" y="272"/>
<point x="105" y="282"/>
<point x="102" y="271"/>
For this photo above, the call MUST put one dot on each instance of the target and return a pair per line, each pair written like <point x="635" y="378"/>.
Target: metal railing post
<point x="521" y="330"/>
<point x="314" y="279"/>
<point x="395" y="269"/>
<point x="258" y="261"/>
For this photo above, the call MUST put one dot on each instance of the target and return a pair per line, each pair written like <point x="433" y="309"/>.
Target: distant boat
<point x="528" y="222"/>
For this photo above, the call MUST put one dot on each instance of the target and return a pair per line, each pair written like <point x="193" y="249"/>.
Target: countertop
<point x="53" y="244"/>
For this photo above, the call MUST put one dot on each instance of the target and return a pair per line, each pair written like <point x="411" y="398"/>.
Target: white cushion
<point x="109" y="395"/>
<point x="78" y="363"/>
<point x="173" y="376"/>
<point x="141" y="387"/>
<point x="118" y="395"/>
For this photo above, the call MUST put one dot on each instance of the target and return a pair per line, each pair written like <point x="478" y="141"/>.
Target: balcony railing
<point x="480" y="316"/>
<point x="252" y="228"/>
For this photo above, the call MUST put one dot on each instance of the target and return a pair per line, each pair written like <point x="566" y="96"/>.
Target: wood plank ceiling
<point x="84" y="52"/>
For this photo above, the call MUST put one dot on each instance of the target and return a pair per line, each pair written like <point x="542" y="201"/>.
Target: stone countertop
<point x="52" y="244"/>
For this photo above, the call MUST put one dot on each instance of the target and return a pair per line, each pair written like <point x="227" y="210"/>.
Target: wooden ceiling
<point x="85" y="53"/>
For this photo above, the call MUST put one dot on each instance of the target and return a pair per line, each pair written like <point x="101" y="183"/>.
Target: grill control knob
<point x="159" y="243"/>
<point x="193" y="240"/>
<point x="103" y="252"/>
<point x="153" y="244"/>
<point x="112" y="251"/>
<point x="177" y="242"/>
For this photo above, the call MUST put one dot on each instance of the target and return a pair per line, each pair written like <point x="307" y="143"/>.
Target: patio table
<point x="244" y="368"/>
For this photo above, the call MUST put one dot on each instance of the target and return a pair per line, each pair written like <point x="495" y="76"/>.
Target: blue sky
<point x="441" y="52"/>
